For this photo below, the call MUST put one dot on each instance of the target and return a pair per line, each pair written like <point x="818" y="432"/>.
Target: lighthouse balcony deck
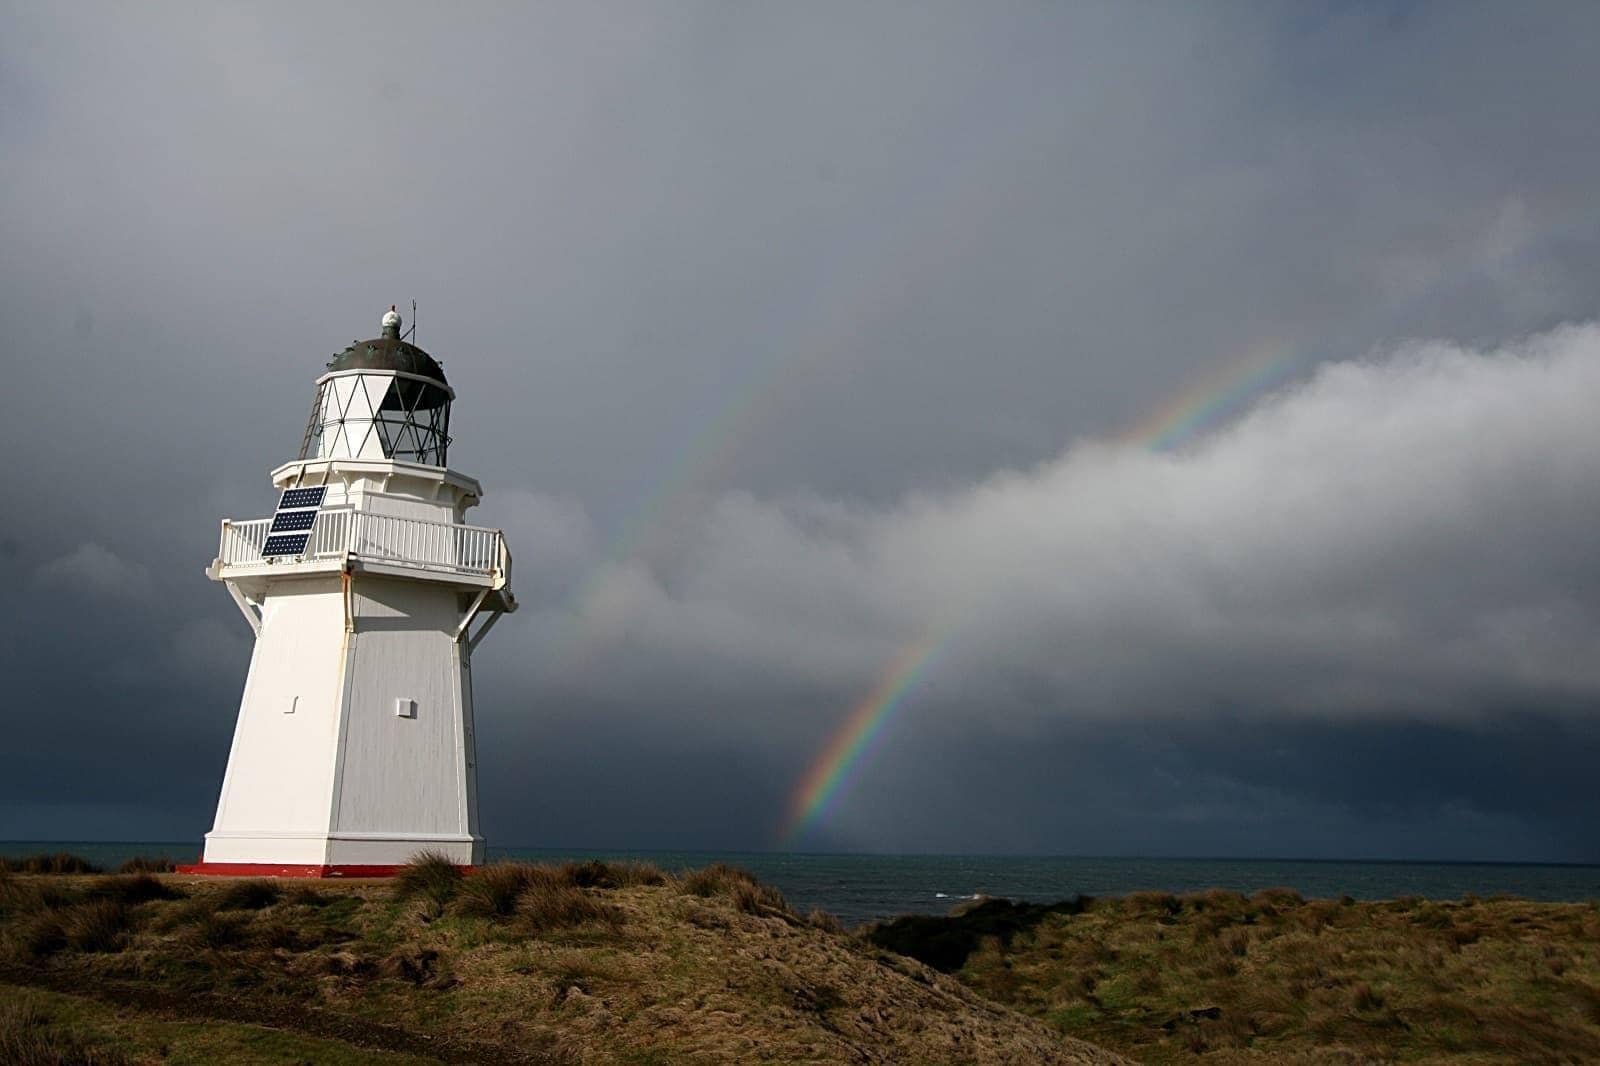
<point x="347" y="538"/>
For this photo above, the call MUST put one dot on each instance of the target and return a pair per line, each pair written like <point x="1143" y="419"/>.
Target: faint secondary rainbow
<point x="1212" y="399"/>
<point x="849" y="748"/>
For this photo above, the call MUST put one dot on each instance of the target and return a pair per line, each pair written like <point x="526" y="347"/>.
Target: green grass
<point x="1226" y="978"/>
<point x="40" y="1027"/>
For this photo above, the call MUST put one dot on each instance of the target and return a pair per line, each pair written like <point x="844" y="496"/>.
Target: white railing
<point x="413" y="542"/>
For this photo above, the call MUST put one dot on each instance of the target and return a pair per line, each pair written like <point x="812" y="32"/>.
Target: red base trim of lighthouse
<point x="272" y="869"/>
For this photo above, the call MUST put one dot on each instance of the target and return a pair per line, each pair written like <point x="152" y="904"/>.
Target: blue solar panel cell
<point x="292" y="521"/>
<point x="302" y="498"/>
<point x="286" y="544"/>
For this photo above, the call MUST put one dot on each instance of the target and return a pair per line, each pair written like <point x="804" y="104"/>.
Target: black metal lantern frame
<point x="409" y="414"/>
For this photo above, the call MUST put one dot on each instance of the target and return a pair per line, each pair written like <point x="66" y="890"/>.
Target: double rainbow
<point x="1201" y="406"/>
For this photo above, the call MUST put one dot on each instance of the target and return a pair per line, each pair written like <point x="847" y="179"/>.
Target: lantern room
<point x="381" y="399"/>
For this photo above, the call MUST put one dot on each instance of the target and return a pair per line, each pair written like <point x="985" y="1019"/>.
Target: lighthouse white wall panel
<point x="280" y="771"/>
<point x="405" y="775"/>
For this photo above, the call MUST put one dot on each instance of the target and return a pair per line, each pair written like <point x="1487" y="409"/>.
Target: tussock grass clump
<point x="18" y="897"/>
<point x="279" y="933"/>
<point x="60" y="863"/>
<point x="594" y="873"/>
<point x="1364" y="998"/>
<point x="1277" y="897"/>
<point x="544" y="907"/>
<point x="303" y="896"/>
<point x="252" y="895"/>
<point x="1152" y="902"/>
<point x="1215" y="900"/>
<point x="739" y="887"/>
<point x="132" y="888"/>
<point x="430" y="875"/>
<point x="141" y="864"/>
<point x="762" y="900"/>
<point x="98" y="925"/>
<point x="821" y="919"/>
<point x="718" y="879"/>
<point x="35" y="936"/>
<point x="492" y="891"/>
<point x="29" y="1038"/>
<point x="216" y="930"/>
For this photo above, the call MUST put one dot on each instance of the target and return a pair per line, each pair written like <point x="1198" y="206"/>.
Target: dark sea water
<point x="861" y="888"/>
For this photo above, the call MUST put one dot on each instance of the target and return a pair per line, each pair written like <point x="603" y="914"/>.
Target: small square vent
<point x="404" y="708"/>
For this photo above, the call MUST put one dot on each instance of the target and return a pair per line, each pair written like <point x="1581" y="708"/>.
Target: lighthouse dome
<point x="388" y="352"/>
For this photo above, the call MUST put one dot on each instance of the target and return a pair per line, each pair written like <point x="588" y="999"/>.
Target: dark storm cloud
<point x="784" y="335"/>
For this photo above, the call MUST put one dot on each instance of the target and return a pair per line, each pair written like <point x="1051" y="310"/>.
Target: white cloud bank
<point x="1409" y="533"/>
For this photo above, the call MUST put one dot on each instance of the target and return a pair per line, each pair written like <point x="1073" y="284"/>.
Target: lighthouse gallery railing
<point x="473" y="550"/>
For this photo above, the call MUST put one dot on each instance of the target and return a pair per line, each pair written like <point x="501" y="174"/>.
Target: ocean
<point x="862" y="888"/>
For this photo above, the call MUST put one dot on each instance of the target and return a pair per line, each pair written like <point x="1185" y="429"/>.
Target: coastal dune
<point x="587" y="962"/>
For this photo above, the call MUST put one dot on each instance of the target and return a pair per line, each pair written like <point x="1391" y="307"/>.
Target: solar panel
<point x="286" y="544"/>
<point x="292" y="521"/>
<point x="294" y="498"/>
<point x="291" y="525"/>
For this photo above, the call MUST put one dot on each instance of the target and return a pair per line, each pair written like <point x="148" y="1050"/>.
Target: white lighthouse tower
<point x="354" y="749"/>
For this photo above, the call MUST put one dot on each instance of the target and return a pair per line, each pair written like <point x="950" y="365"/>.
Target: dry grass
<point x="741" y="887"/>
<point x="59" y="863"/>
<point x="30" y="1038"/>
<point x="430" y="876"/>
<point x="579" y="962"/>
<point x="1277" y="977"/>
<point x="98" y="925"/>
<point x="132" y="888"/>
<point x="143" y="865"/>
<point x="492" y="891"/>
<point x="499" y="889"/>
<point x="250" y="895"/>
<point x="546" y="907"/>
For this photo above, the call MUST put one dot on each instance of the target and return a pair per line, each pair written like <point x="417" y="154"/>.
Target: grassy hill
<point x="581" y="963"/>
<point x="1218" y="977"/>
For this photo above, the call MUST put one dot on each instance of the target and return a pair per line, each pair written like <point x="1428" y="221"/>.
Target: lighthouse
<point x="368" y="594"/>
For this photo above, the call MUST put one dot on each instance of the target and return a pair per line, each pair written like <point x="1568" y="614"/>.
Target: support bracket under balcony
<point x="483" y="631"/>
<point x="472" y="612"/>
<point x="246" y="608"/>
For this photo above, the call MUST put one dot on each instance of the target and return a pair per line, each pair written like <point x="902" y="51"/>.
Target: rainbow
<point x="1212" y="399"/>
<point x="1202" y="405"/>
<point x="848" y="749"/>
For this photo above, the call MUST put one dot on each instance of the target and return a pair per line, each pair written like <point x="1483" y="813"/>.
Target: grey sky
<point x="786" y="337"/>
